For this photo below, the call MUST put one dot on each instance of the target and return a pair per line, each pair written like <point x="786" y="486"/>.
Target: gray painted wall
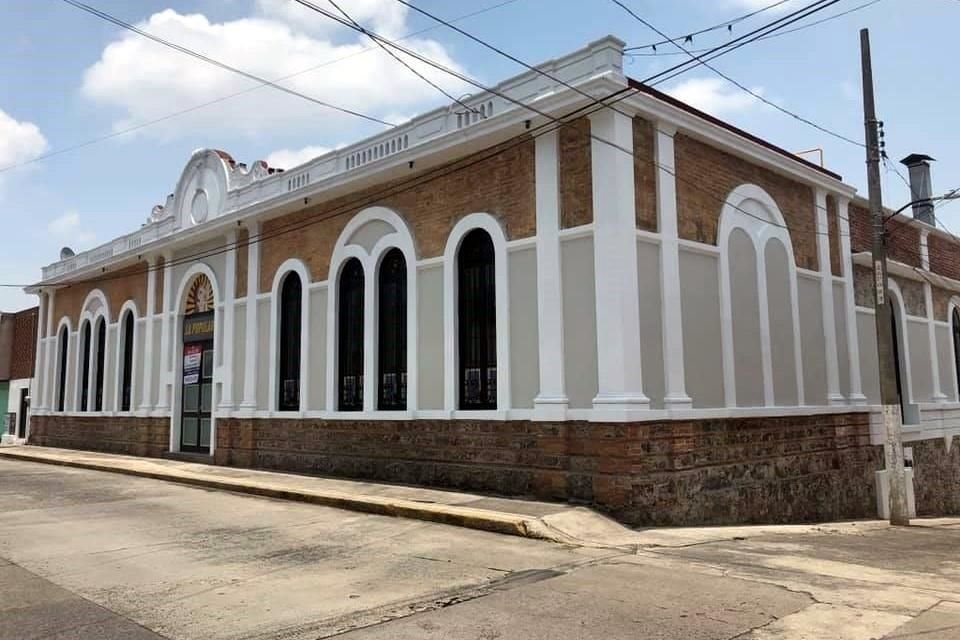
<point x="139" y="350"/>
<point x="840" y="320"/>
<point x="745" y="315"/>
<point x="524" y="335"/>
<point x="263" y="354"/>
<point x="811" y="340"/>
<point x="948" y="378"/>
<point x="239" y="350"/>
<point x="579" y="321"/>
<point x="920" y="370"/>
<point x="780" y="312"/>
<point x="110" y="370"/>
<point x="702" y="343"/>
<point x="651" y="331"/>
<point x="318" y="350"/>
<point x="867" y="332"/>
<point x="430" y="337"/>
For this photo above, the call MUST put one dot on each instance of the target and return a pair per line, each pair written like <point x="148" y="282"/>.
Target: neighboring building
<point x="18" y="341"/>
<point x="647" y="309"/>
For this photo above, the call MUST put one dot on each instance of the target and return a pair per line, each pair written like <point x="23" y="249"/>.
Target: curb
<point x="466" y="517"/>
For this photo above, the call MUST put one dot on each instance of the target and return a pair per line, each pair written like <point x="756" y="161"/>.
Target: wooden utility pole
<point x="889" y="395"/>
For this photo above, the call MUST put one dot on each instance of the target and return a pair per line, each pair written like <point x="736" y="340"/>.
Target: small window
<point x="84" y="365"/>
<point x="392" y="332"/>
<point x="126" y="362"/>
<point x="101" y="360"/>
<point x="290" y="316"/>
<point x="350" y="330"/>
<point x="477" y="321"/>
<point x="62" y="373"/>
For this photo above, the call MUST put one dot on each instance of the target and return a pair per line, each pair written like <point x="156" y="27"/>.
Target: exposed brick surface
<point x="941" y="303"/>
<point x="158" y="293"/>
<point x="132" y="436"/>
<point x="24" y="348"/>
<point x="936" y="477"/>
<point x="707" y="175"/>
<point x="240" y="291"/>
<point x="502" y="185"/>
<point x="913" y="297"/>
<point x="833" y="229"/>
<point x="903" y="242"/>
<point x="710" y="471"/>
<point x="863" y="285"/>
<point x="576" y="176"/>
<point x="944" y="256"/>
<point x="644" y="174"/>
<point x="117" y="286"/>
<point x="860" y="229"/>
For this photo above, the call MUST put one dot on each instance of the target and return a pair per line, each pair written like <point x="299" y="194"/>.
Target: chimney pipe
<point x="920" y="187"/>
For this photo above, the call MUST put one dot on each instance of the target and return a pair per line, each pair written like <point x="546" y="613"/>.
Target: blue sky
<point x="69" y="77"/>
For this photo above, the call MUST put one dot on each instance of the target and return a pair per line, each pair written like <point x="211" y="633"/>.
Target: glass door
<point x="197" y="397"/>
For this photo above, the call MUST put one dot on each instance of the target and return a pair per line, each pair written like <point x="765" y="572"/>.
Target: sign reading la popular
<point x="199" y="327"/>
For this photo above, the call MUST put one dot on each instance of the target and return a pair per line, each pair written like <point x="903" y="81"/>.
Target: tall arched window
<point x="101" y="359"/>
<point x="956" y="345"/>
<point x="350" y="348"/>
<point x="897" y="362"/>
<point x="84" y="365"/>
<point x="392" y="333"/>
<point x="477" y="321"/>
<point x="62" y="380"/>
<point x="126" y="361"/>
<point x="290" y="315"/>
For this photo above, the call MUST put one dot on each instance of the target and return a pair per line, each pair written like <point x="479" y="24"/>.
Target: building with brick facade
<point x="636" y="306"/>
<point x="18" y="341"/>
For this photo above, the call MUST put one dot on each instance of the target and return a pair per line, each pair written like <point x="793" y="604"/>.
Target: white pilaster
<point x="369" y="338"/>
<point x="938" y="395"/>
<point x="229" y="304"/>
<point x="856" y="396"/>
<point x="620" y="395"/>
<point x="146" y="392"/>
<point x="167" y="314"/>
<point x="671" y="311"/>
<point x="551" y="402"/>
<point x="49" y="368"/>
<point x="249" y="402"/>
<point x="39" y="373"/>
<point x="834" y="396"/>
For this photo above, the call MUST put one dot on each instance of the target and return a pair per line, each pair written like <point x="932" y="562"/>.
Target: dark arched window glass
<point x="62" y="382"/>
<point x="477" y="321"/>
<point x="956" y="345"/>
<point x="350" y="330"/>
<point x="84" y="365"/>
<point x="101" y="360"/>
<point x="126" y="362"/>
<point x="289" y="369"/>
<point x="895" y="333"/>
<point x="392" y="332"/>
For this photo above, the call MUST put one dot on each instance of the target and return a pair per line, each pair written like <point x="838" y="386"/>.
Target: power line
<point x="634" y="51"/>
<point x="554" y="124"/>
<point x="175" y="114"/>
<point x="199" y="56"/>
<point x="736" y="83"/>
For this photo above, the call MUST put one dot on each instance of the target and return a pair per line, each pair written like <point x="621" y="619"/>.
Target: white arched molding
<point x="764" y="223"/>
<point x="398" y="237"/>
<point x="952" y="305"/>
<point x="62" y="372"/>
<point x="176" y="346"/>
<point x="130" y="306"/>
<point x="95" y="307"/>
<point x="292" y="265"/>
<point x="451" y="356"/>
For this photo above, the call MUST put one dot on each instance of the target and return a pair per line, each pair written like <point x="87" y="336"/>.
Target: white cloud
<point x="67" y="228"/>
<point x="383" y="17"/>
<point x="146" y="80"/>
<point x="714" y="95"/>
<point x="19" y="141"/>
<point x="289" y="158"/>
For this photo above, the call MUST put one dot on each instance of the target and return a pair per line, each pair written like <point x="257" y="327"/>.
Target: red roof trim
<point x="659" y="95"/>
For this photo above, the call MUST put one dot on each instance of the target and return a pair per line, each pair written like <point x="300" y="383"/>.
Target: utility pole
<point x="889" y="396"/>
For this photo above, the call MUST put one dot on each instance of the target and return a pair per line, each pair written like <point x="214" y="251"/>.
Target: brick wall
<point x="576" y="175"/>
<point x="861" y="230"/>
<point x="936" y="477"/>
<point x="706" y="176"/>
<point x="118" y="287"/>
<point x="24" y="347"/>
<point x="941" y="303"/>
<point x="944" y="256"/>
<point x="668" y="473"/>
<point x="903" y="242"/>
<point x="833" y="230"/>
<point x="132" y="436"/>
<point x="502" y="185"/>
<point x="644" y="175"/>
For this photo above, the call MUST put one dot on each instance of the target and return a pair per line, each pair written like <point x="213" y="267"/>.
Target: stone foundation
<point x="723" y="471"/>
<point x="149" y="437"/>
<point x="936" y="477"/>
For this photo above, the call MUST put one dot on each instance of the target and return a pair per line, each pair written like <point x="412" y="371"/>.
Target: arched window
<point x="290" y="314"/>
<point x="477" y="321"/>
<point x="897" y="362"/>
<point x="392" y="334"/>
<point x="99" y="372"/>
<point x="84" y="365"/>
<point x="956" y="345"/>
<point x="62" y="380"/>
<point x="126" y="361"/>
<point x="350" y="348"/>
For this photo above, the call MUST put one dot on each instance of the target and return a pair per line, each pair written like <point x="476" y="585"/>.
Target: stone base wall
<point x="936" y="477"/>
<point x="148" y="437"/>
<point x="723" y="471"/>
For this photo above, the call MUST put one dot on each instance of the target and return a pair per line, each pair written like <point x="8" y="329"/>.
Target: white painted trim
<point x="297" y="266"/>
<point x="502" y="287"/>
<point x="649" y="237"/>
<point x="229" y="318"/>
<point x="430" y="263"/>
<point x="834" y="396"/>
<point x="693" y="246"/>
<point x="249" y="401"/>
<point x="810" y="275"/>
<point x="572" y="233"/>
<point x="522" y="243"/>
<point x="130" y="306"/>
<point x="937" y="395"/>
<point x="166" y="340"/>
<point x="40" y="374"/>
<point x="146" y="399"/>
<point x="63" y="373"/>
<point x="50" y="377"/>
<point x="896" y="299"/>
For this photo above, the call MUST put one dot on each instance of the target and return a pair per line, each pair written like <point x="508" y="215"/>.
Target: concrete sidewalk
<point x="555" y="522"/>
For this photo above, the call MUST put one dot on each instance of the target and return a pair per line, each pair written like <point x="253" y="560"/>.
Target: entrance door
<point x="197" y="398"/>
<point x="24" y="405"/>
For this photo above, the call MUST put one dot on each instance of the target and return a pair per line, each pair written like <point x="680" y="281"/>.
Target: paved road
<point x="85" y="554"/>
